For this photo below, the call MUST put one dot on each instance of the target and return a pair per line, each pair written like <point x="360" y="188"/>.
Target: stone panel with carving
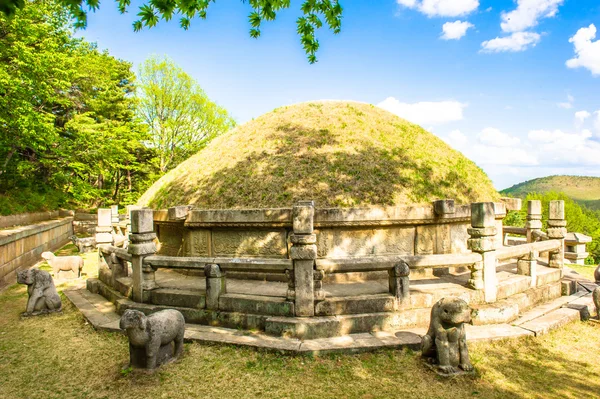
<point x="232" y="243"/>
<point x="344" y="242"/>
<point x="197" y="243"/>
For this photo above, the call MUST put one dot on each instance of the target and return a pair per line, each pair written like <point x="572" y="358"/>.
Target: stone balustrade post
<point x="534" y="219"/>
<point x="142" y="245"/>
<point x="483" y="230"/>
<point x="104" y="228"/>
<point x="557" y="231"/>
<point x="215" y="285"/>
<point x="114" y="214"/>
<point x="400" y="282"/>
<point x="303" y="254"/>
<point x="527" y="266"/>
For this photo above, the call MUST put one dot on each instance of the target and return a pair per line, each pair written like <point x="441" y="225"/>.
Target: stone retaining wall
<point x="24" y="219"/>
<point x="21" y="247"/>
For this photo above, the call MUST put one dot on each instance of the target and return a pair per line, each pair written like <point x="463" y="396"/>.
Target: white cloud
<point x="519" y="41"/>
<point x="455" y="30"/>
<point x="597" y="122"/>
<point x="558" y="148"/>
<point x="441" y="8"/>
<point x="496" y="138"/>
<point x="568" y="104"/>
<point x="527" y="14"/>
<point x="587" y="52"/>
<point x="581" y="116"/>
<point x="425" y="113"/>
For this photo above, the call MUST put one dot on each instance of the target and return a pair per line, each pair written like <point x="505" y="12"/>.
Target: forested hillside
<point x="72" y="130"/>
<point x="583" y="189"/>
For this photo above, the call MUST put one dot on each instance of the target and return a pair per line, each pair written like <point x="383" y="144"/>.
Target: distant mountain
<point x="583" y="189"/>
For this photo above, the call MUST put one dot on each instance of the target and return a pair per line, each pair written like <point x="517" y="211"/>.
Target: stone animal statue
<point x="84" y="245"/>
<point x="64" y="263"/>
<point x="151" y="337"/>
<point x="119" y="240"/>
<point x="597" y="274"/>
<point x="596" y="297"/>
<point x="43" y="297"/>
<point x="445" y="344"/>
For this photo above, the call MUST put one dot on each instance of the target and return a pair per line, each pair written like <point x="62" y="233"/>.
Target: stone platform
<point x="102" y="314"/>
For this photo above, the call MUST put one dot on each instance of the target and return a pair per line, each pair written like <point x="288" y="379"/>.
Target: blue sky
<point x="514" y="85"/>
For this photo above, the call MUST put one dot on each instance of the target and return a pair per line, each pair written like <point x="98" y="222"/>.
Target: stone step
<point x="509" y="309"/>
<point x="551" y="320"/>
<point x="254" y="304"/>
<point x="179" y="298"/>
<point x="545" y="308"/>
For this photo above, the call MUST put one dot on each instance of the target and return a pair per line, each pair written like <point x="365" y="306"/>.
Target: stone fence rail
<point x="24" y="219"/>
<point x="21" y="247"/>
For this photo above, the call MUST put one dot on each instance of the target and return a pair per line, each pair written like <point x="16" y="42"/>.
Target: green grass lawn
<point x="61" y="356"/>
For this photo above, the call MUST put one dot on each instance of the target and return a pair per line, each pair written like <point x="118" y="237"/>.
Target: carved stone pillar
<point x="303" y="254"/>
<point x="483" y="230"/>
<point x="399" y="282"/>
<point x="142" y="245"/>
<point x="534" y="219"/>
<point x="557" y="231"/>
<point x="215" y="285"/>
<point x="527" y="266"/>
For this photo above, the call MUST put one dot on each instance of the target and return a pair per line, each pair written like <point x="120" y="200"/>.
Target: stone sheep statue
<point x="43" y="297"/>
<point x="596" y="297"/>
<point x="151" y="337"/>
<point x="445" y="344"/>
<point x="64" y="263"/>
<point x="84" y="244"/>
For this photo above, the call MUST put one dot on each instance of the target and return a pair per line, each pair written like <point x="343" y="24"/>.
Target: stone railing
<point x="301" y="261"/>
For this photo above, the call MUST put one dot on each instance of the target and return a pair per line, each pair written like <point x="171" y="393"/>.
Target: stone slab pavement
<point x="103" y="316"/>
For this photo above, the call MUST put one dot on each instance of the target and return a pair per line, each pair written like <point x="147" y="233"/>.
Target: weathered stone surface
<point x="443" y="207"/>
<point x="512" y="204"/>
<point x="303" y="214"/>
<point x="303" y="239"/>
<point x="303" y="252"/>
<point x="252" y="304"/>
<point x="458" y="238"/>
<point x="171" y="239"/>
<point x="335" y="243"/>
<point x="304" y="288"/>
<point x="154" y="339"/>
<point x="554" y="319"/>
<point x="355" y="305"/>
<point x="178" y="298"/>
<point x="215" y="285"/>
<point x="556" y="210"/>
<point x="43" y="297"/>
<point x="83" y="244"/>
<point x="197" y="242"/>
<point x="534" y="207"/>
<point x="178" y="212"/>
<point x="445" y="343"/>
<point x="483" y="214"/>
<point x="142" y="221"/>
<point x="233" y="243"/>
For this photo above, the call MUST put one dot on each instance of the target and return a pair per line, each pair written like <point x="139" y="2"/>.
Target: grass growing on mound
<point x="337" y="153"/>
<point x="61" y="356"/>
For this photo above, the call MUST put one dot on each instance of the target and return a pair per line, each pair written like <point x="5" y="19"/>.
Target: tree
<point x="152" y="11"/>
<point x="68" y="132"/>
<point x="180" y="117"/>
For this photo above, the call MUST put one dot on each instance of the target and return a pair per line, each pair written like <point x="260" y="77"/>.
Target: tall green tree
<point x="179" y="116"/>
<point x="152" y="11"/>
<point x="68" y="132"/>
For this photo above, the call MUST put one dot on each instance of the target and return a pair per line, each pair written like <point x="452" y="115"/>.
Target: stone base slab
<point x="102" y="314"/>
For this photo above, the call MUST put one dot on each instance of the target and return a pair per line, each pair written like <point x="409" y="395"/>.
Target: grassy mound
<point x="337" y="153"/>
<point x="583" y="189"/>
